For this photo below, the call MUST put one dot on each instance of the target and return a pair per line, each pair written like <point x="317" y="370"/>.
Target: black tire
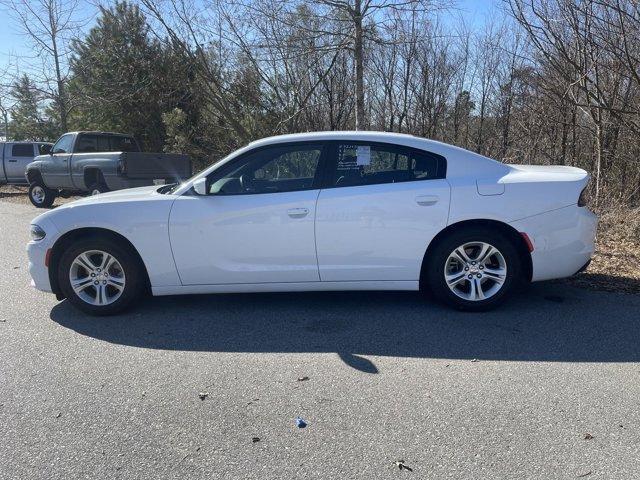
<point x="433" y="275"/>
<point x="97" y="188"/>
<point x="41" y="196"/>
<point x="130" y="263"/>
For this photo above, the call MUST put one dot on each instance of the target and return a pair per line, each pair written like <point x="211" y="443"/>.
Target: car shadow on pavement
<point x="548" y="322"/>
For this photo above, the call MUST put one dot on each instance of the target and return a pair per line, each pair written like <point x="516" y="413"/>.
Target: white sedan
<point x="322" y="211"/>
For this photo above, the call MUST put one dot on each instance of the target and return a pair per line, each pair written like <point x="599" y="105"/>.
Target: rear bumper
<point x="563" y="241"/>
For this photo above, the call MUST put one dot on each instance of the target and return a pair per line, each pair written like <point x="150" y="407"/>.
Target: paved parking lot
<point x="391" y="377"/>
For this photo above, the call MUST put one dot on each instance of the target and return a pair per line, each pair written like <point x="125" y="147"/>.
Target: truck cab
<point x="14" y="158"/>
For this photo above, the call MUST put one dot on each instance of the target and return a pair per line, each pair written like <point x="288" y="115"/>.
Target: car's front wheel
<point x="474" y="269"/>
<point x="100" y="276"/>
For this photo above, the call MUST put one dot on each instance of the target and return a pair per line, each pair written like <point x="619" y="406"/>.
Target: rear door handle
<point x="13" y="161"/>
<point x="426" y="200"/>
<point x="298" y="212"/>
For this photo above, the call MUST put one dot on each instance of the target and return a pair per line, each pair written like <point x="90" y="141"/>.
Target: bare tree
<point x="48" y="26"/>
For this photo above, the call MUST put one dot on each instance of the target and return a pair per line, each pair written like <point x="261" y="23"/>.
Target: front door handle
<point x="298" y="212"/>
<point x="426" y="200"/>
<point x="13" y="161"/>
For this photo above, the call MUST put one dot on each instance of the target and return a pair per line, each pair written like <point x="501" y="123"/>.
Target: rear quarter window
<point x="123" y="144"/>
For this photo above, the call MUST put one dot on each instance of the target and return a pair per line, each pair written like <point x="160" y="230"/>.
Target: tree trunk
<point x="358" y="52"/>
<point x="61" y="100"/>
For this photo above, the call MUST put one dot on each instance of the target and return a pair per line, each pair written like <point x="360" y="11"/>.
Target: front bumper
<point x="563" y="241"/>
<point x="37" y="253"/>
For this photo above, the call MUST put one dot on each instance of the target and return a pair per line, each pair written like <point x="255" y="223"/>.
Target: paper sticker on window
<point x="363" y="155"/>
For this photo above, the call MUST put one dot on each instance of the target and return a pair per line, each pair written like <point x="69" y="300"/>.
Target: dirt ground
<point x="614" y="267"/>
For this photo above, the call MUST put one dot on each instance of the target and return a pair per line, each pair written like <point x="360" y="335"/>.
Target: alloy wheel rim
<point x="475" y="271"/>
<point x="38" y="194"/>
<point x="97" y="277"/>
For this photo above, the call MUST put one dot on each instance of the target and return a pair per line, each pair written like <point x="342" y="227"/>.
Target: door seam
<point x="315" y="236"/>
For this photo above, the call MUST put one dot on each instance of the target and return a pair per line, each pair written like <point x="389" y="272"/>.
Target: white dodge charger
<point x="322" y="211"/>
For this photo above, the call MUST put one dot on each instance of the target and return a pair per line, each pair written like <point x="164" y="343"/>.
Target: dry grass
<point x="615" y="266"/>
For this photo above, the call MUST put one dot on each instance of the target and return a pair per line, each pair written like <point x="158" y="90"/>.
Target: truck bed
<point x="156" y="165"/>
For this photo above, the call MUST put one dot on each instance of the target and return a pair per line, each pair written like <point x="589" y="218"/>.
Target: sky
<point x="14" y="44"/>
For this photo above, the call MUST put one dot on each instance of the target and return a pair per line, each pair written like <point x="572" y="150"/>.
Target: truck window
<point x="87" y="143"/>
<point x="123" y="144"/>
<point x="22" y="150"/>
<point x="64" y="144"/>
<point x="44" y="148"/>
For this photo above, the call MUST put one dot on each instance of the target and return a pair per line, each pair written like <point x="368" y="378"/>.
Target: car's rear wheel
<point x="474" y="269"/>
<point x="40" y="195"/>
<point x="100" y="277"/>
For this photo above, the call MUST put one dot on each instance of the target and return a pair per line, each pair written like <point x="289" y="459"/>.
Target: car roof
<point x="448" y="151"/>
<point x="99" y="132"/>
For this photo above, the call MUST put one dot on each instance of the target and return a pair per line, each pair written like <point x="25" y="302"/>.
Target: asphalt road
<point x="391" y="376"/>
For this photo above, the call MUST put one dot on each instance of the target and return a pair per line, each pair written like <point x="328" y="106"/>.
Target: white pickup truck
<point x="14" y="158"/>
<point x="97" y="162"/>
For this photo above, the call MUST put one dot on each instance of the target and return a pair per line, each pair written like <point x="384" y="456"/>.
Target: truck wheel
<point x="40" y="195"/>
<point x="98" y="188"/>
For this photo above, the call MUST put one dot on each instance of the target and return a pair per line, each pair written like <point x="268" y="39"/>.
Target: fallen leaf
<point x="303" y="379"/>
<point x="203" y="395"/>
<point x="255" y="439"/>
<point x="588" y="436"/>
<point x="400" y="464"/>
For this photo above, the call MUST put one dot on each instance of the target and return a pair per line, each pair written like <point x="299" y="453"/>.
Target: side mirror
<point x="200" y="186"/>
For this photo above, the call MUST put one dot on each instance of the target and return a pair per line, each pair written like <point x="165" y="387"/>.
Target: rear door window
<point x="360" y="163"/>
<point x="22" y="150"/>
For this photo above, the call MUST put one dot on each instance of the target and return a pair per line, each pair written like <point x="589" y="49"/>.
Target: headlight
<point x="37" y="233"/>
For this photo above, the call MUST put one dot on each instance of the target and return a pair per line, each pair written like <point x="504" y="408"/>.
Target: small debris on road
<point x="300" y="423"/>
<point x="58" y="415"/>
<point x="303" y="379"/>
<point x="400" y="464"/>
<point x="475" y="360"/>
<point x="255" y="439"/>
<point x="584" y="474"/>
<point x="203" y="395"/>
<point x="588" y="436"/>
<point x="15" y="268"/>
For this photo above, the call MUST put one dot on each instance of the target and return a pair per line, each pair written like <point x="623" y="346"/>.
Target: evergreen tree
<point x="120" y="77"/>
<point x="27" y="123"/>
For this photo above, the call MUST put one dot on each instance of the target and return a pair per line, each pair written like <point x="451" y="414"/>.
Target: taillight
<point x="582" y="199"/>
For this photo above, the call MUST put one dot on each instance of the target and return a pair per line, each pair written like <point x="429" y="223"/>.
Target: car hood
<point x="126" y="195"/>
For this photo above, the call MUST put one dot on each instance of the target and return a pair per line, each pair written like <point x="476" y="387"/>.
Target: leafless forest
<point x="546" y="82"/>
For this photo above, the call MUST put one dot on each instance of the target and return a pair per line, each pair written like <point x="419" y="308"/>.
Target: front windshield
<point x="177" y="186"/>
